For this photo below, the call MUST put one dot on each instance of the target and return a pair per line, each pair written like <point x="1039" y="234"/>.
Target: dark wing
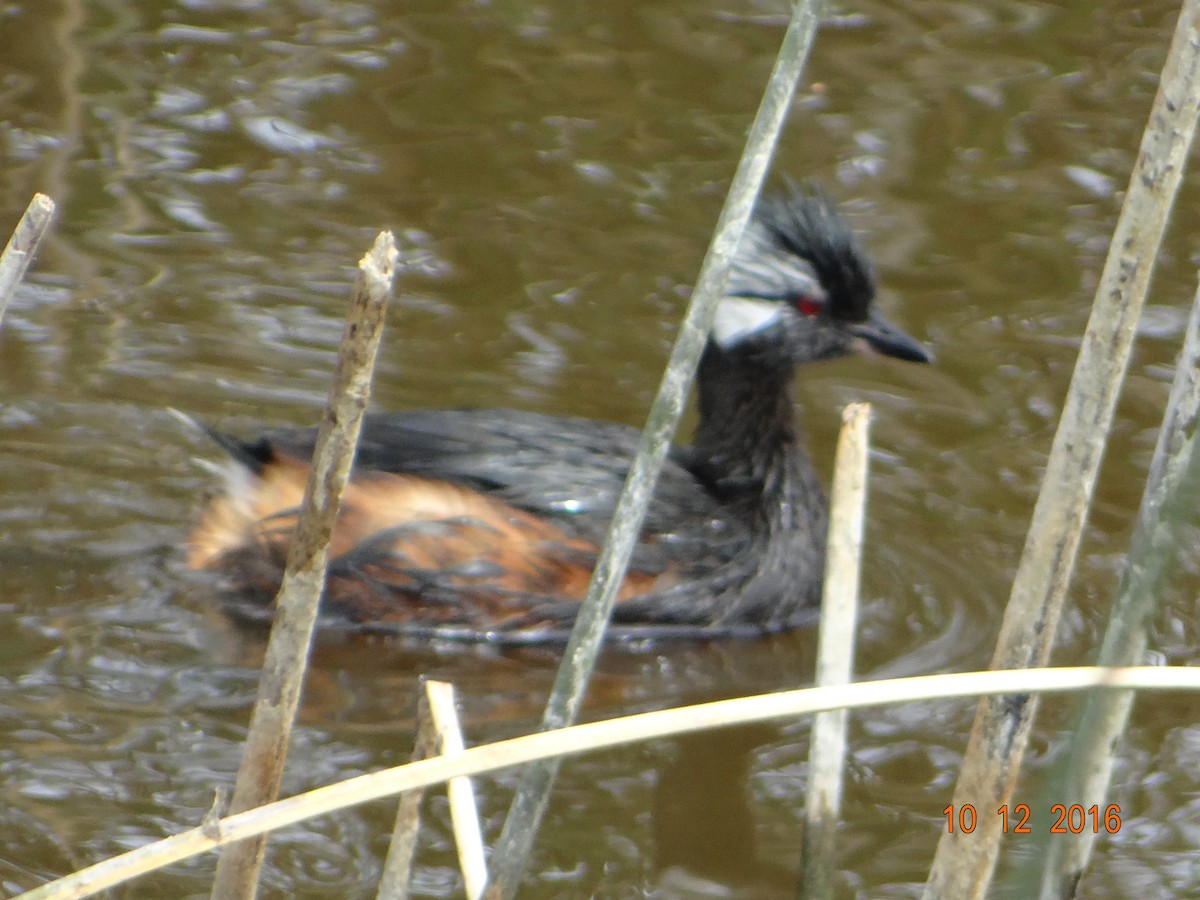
<point x="571" y="469"/>
<point x="567" y="472"/>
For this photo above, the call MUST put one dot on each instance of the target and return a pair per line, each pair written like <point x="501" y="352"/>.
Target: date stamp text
<point x="1018" y="819"/>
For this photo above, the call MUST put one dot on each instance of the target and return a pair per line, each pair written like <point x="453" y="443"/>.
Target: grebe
<point x="485" y="524"/>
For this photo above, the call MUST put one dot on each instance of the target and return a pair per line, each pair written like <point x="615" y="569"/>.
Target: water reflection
<point x="554" y="171"/>
<point x="703" y="821"/>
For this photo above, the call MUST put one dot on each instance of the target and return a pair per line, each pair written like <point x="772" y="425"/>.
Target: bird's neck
<point x="748" y="439"/>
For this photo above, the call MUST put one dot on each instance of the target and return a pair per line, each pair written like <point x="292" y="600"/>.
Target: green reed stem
<point x="1168" y="501"/>
<point x="963" y="864"/>
<point x="528" y="806"/>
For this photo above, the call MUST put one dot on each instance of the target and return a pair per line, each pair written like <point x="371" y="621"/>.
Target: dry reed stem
<point x="598" y="736"/>
<point x="1167" y="500"/>
<point x="963" y="865"/>
<point x="304" y="577"/>
<point x="397" y="866"/>
<point x="18" y="252"/>
<point x="529" y="804"/>
<point x="464" y="813"/>
<point x="835" y="651"/>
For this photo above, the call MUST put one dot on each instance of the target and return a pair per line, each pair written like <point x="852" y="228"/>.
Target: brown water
<point x="554" y="171"/>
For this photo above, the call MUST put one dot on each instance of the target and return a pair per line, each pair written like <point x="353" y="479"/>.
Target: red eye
<point x="808" y="306"/>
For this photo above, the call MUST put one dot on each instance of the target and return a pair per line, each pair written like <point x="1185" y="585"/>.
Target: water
<point x="553" y="173"/>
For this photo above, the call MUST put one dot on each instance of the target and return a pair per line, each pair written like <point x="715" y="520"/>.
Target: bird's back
<point x="477" y="520"/>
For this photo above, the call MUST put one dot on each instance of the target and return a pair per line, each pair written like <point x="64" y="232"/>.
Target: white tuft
<point x="739" y="317"/>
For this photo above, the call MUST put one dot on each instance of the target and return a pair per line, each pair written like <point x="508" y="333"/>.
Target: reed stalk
<point x="964" y="862"/>
<point x="397" y="865"/>
<point x="18" y="252"/>
<point x="304" y="577"/>
<point x="595" y="736"/>
<point x="533" y="794"/>
<point x="1168" y="500"/>
<point x="835" y="651"/>
<point x="464" y="813"/>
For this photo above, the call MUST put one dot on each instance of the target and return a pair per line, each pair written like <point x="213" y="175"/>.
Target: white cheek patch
<point x="739" y="317"/>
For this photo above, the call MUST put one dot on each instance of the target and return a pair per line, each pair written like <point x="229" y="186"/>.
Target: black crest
<point x="804" y="223"/>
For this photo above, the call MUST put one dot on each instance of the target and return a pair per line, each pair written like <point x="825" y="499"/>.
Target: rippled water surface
<point x="553" y="171"/>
